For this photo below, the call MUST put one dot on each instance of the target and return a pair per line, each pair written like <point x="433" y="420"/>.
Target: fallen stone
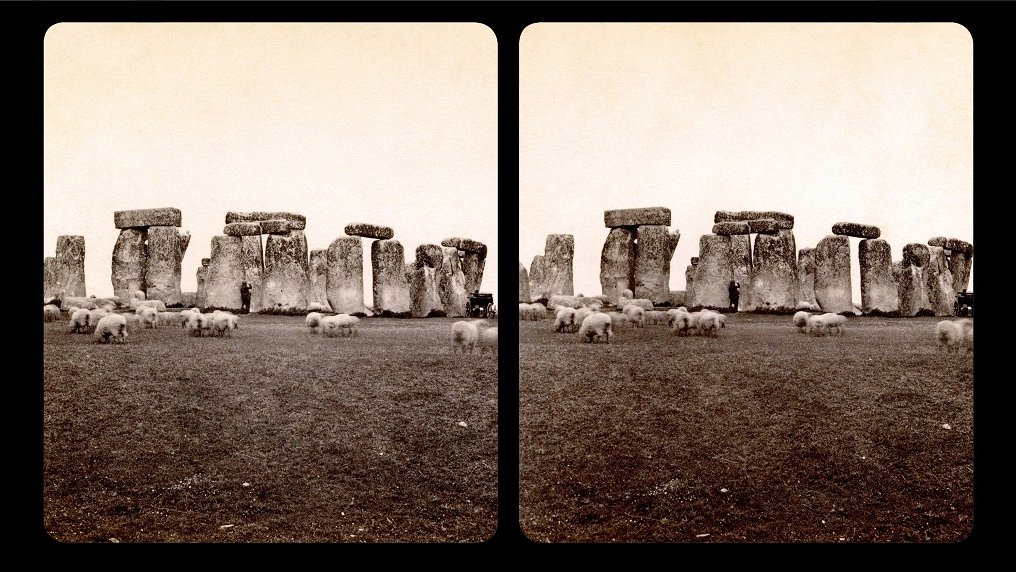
<point x="773" y="284"/>
<point x="242" y="229"/>
<point x="344" y="286"/>
<point x="731" y="228"/>
<point x="783" y="220"/>
<point x="370" y="231"/>
<point x="653" y="252"/>
<point x="129" y="261"/>
<point x="284" y="282"/>
<point x="141" y="218"/>
<point x="391" y="291"/>
<point x="879" y="288"/>
<point x="856" y="230"/>
<point x="832" y="274"/>
<point x="524" y="295"/>
<point x="637" y="217"/>
<point x="617" y="262"/>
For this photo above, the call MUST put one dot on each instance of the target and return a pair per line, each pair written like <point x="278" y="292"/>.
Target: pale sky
<point x="864" y="123"/>
<point x="389" y="124"/>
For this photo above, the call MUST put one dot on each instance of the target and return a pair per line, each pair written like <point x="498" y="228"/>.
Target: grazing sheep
<point x="596" y="325"/>
<point x="710" y="322"/>
<point x="537" y="312"/>
<point x="94" y="316"/>
<point x="139" y="295"/>
<point x="953" y="334"/>
<point x="834" y="323"/>
<point x="112" y="327"/>
<point x="564" y="319"/>
<point x="346" y="324"/>
<point x="464" y="336"/>
<point x="580" y="315"/>
<point x="166" y="318"/>
<point x="816" y="325"/>
<point x="488" y="340"/>
<point x="672" y="314"/>
<point x="79" y="321"/>
<point x="801" y="320"/>
<point x="224" y="323"/>
<point x="185" y="315"/>
<point x="50" y="313"/>
<point x="617" y="319"/>
<point x="149" y="317"/>
<point x="314" y="321"/>
<point x="198" y="323"/>
<point x="133" y="322"/>
<point x="636" y="314"/>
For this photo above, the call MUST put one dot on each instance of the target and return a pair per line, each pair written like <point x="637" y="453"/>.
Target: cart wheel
<point x="489" y="311"/>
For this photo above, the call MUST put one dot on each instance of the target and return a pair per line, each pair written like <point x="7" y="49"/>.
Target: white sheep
<point x="617" y="320"/>
<point x="185" y="316"/>
<point x="801" y="320"/>
<point x="50" y="313"/>
<point x="112" y="327"/>
<point x="94" y="316"/>
<point x="346" y="324"/>
<point x="564" y="319"/>
<point x="79" y="321"/>
<point x="834" y="323"/>
<point x="313" y="321"/>
<point x="672" y="314"/>
<point x="636" y="315"/>
<point x="537" y="312"/>
<point x="198" y="323"/>
<point x="166" y="318"/>
<point x="580" y="315"/>
<point x="967" y="325"/>
<point x="133" y="322"/>
<point x="488" y="340"/>
<point x="139" y="295"/>
<point x="596" y="326"/>
<point x="953" y="334"/>
<point x="224" y="323"/>
<point x="149" y="317"/>
<point x="816" y="325"/>
<point x="464" y="336"/>
<point x="710" y="323"/>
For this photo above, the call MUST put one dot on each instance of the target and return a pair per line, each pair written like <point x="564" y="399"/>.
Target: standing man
<point x="244" y="297"/>
<point x="734" y="290"/>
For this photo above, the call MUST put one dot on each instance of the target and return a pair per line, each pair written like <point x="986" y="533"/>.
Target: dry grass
<point x="763" y="434"/>
<point x="270" y="435"/>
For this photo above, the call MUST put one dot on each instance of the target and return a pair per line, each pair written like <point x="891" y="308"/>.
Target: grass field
<point x="271" y="435"/>
<point x="762" y="434"/>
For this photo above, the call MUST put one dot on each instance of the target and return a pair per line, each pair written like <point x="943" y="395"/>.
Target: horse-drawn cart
<point x="480" y="304"/>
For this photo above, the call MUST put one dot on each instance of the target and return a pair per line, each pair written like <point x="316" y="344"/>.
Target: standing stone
<point x="424" y="282"/>
<point x="318" y="277"/>
<point x="70" y="265"/>
<point x="537" y="281"/>
<point x="200" y="295"/>
<point x="452" y="284"/>
<point x="129" y="261"/>
<point x="959" y="266"/>
<point x="473" y="262"/>
<point x="524" y="295"/>
<point x="391" y="291"/>
<point x="879" y="289"/>
<point x="617" y="263"/>
<point x="344" y="285"/>
<point x="916" y="254"/>
<point x="774" y="272"/>
<point x="941" y="295"/>
<point x="689" y="281"/>
<point x="49" y="288"/>
<point x="225" y="273"/>
<point x="806" y="276"/>
<point x="740" y="257"/>
<point x="557" y="263"/>
<point x="832" y="274"/>
<point x="913" y="292"/>
<point x="713" y="272"/>
<point x="253" y="261"/>
<point x="162" y="267"/>
<point x="285" y="276"/>
<point x="653" y="251"/>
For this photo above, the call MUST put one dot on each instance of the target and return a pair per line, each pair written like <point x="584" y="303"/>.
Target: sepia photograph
<point x="270" y="283"/>
<point x="746" y="282"/>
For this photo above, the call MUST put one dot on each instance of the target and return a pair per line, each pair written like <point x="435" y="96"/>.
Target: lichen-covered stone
<point x="391" y="291"/>
<point x="474" y="246"/>
<point x="689" y="282"/>
<point x="916" y="254"/>
<point x="424" y="289"/>
<point x="225" y="273"/>
<point x="370" y="231"/>
<point x="617" y="262"/>
<point x="275" y="226"/>
<point x="344" y="285"/>
<point x="957" y="245"/>
<point x="296" y="221"/>
<point x="243" y="229"/>
<point x="764" y="226"/>
<point x="70" y="265"/>
<point x="524" y="295"/>
<point x="773" y="284"/>
<point x="959" y="266"/>
<point x="285" y="272"/>
<point x="806" y="276"/>
<point x="253" y="262"/>
<point x="912" y="289"/>
<point x="49" y="288"/>
<point x="740" y="257"/>
<point x="879" y="289"/>
<point x="162" y="274"/>
<point x="537" y="283"/>
<point x="472" y="268"/>
<point x="713" y="273"/>
<point x="783" y="220"/>
<point x="939" y="283"/>
<point x="832" y="274"/>
<point x="429" y="255"/>
<point x="141" y="218"/>
<point x="317" y="277"/>
<point x="129" y="261"/>
<point x="557" y="264"/>
<point x="731" y="228"/>
<point x="637" y="217"/>
<point x="653" y="252"/>
<point x="452" y="284"/>
<point x="201" y="275"/>
<point x="856" y="230"/>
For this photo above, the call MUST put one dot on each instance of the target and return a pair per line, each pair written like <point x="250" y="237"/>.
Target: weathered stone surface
<point x="637" y="217"/>
<point x="275" y="226"/>
<point x="391" y="291"/>
<point x="472" y="269"/>
<point x="243" y="229"/>
<point x="857" y="230"/>
<point x="524" y="295"/>
<point x="564" y="300"/>
<point x="200" y="295"/>
<point x="536" y="279"/>
<point x="913" y="291"/>
<point x="939" y="283"/>
<point x="959" y="266"/>
<point x="937" y="241"/>
<point x="224" y="273"/>
<point x="557" y="264"/>
<point x="713" y="273"/>
<point x="452" y="242"/>
<point x="370" y="231"/>
<point x="429" y="255"/>
<point x="617" y="262"/>
<point x="188" y="299"/>
<point x="475" y="246"/>
<point x="424" y="289"/>
<point x="806" y="276"/>
<point x="832" y="274"/>
<point x="285" y="276"/>
<point x="653" y="252"/>
<point x="70" y="265"/>
<point x="253" y="262"/>
<point x="731" y="228"/>
<point x="49" y="286"/>
<point x="783" y="220"/>
<point x="764" y="226"/>
<point x="773" y="284"/>
<point x="916" y="254"/>
<point x="344" y="286"/>
<point x="740" y="257"/>
<point x="206" y="261"/>
<point x="879" y="289"/>
<point x="689" y="283"/>
<point x="957" y="245"/>
<point x="166" y="248"/>
<point x="296" y="221"/>
<point x="317" y="277"/>
<point x="129" y="261"/>
<point x="452" y="284"/>
<point x="694" y="259"/>
<point x="678" y="297"/>
<point x="141" y="218"/>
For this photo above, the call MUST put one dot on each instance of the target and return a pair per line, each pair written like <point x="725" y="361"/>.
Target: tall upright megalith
<point x="537" y="280"/>
<point x="939" y="285"/>
<point x="70" y="265"/>
<point x="740" y="257"/>
<point x="344" y="284"/>
<point x="806" y="276"/>
<point x="832" y="274"/>
<point x="617" y="263"/>
<point x="166" y="247"/>
<point x="129" y="261"/>
<point x="713" y="272"/>
<point x="557" y="261"/>
<point x="225" y="273"/>
<point x="148" y="254"/>
<point x="452" y="283"/>
<point x="959" y="255"/>
<point x="689" y="280"/>
<point x="879" y="288"/>
<point x="774" y="271"/>
<point x="913" y="291"/>
<point x="473" y="261"/>
<point x="285" y="277"/>
<point x="49" y="287"/>
<point x="524" y="295"/>
<point x="202" y="278"/>
<point x="653" y="252"/>
<point x="424" y="284"/>
<point x="391" y="291"/>
<point x="253" y="262"/>
<point x="318" y="278"/>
